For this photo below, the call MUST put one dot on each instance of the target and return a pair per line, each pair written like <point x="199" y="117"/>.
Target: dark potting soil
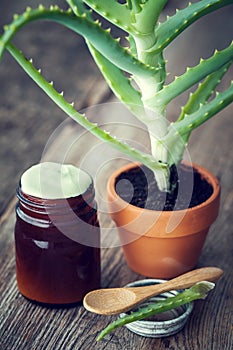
<point x="138" y="187"/>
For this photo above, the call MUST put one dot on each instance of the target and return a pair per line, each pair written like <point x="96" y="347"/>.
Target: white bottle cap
<point x="50" y="180"/>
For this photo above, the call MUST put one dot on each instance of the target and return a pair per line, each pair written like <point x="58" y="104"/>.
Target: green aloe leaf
<point x="113" y="11"/>
<point x="204" y="91"/>
<point x="200" y="97"/>
<point x="205" y="112"/>
<point x="198" y="291"/>
<point x="134" y="5"/>
<point x="69" y="109"/>
<point x="91" y="31"/>
<point x="191" y="76"/>
<point x="79" y="8"/>
<point x="170" y="29"/>
<point x="179" y="132"/>
<point x="119" y="84"/>
<point x="147" y="17"/>
<point x="116" y="79"/>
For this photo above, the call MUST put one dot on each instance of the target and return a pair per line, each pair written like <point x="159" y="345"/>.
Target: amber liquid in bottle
<point x="57" y="248"/>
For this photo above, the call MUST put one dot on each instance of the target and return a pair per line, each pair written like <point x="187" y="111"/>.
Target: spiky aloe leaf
<point x="170" y="29"/>
<point x="135" y="17"/>
<point x="178" y="132"/>
<point x="198" y="98"/>
<point x="147" y="17"/>
<point x="113" y="11"/>
<point x="120" y="85"/>
<point x="69" y="109"/>
<point x="204" y="113"/>
<point x="135" y="5"/>
<point x="204" y="91"/>
<point x="79" y="8"/>
<point x="198" y="291"/>
<point x="132" y="45"/>
<point x="191" y="76"/>
<point x="116" y="79"/>
<point x="91" y="31"/>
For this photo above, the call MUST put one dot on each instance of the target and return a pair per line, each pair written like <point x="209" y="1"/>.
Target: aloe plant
<point x="143" y="61"/>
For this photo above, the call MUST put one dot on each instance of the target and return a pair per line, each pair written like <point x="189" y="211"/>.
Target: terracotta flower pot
<point x="162" y="244"/>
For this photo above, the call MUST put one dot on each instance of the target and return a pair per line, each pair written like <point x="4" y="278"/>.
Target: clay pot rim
<point x="209" y="176"/>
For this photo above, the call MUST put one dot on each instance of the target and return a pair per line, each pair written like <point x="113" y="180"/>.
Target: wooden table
<point x="27" y="120"/>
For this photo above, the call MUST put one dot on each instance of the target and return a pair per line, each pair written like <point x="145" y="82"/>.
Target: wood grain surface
<point x="27" y="122"/>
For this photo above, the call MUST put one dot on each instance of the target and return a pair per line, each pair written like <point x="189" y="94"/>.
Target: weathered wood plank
<point x="26" y="326"/>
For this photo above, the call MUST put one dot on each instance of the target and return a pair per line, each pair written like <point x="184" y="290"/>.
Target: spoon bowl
<point x="113" y="301"/>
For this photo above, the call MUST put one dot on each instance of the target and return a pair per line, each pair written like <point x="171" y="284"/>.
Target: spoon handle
<point x="186" y="280"/>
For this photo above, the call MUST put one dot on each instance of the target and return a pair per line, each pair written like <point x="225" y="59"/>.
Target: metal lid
<point x="160" y="325"/>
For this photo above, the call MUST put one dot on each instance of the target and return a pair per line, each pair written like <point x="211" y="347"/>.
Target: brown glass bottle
<point x="57" y="247"/>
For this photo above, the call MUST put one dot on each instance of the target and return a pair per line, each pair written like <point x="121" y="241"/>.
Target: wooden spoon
<point x="113" y="301"/>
